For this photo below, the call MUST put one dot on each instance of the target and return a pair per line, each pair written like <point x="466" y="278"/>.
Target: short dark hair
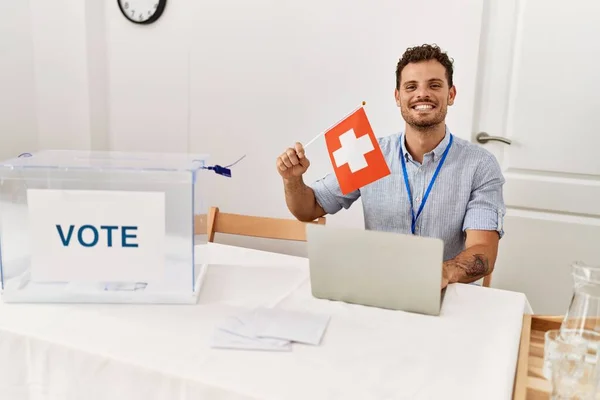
<point x="425" y="52"/>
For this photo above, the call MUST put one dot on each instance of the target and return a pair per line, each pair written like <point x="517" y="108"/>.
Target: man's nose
<point x="422" y="92"/>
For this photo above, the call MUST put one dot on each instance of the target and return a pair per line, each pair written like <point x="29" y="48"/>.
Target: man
<point x="464" y="207"/>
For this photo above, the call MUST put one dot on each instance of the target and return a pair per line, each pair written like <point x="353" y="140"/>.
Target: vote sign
<point x="96" y="236"/>
<point x="66" y="238"/>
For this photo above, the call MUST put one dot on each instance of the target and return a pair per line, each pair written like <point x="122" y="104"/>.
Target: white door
<point x="539" y="87"/>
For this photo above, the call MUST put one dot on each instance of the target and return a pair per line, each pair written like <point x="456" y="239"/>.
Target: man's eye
<point x="410" y="87"/>
<point x="436" y="86"/>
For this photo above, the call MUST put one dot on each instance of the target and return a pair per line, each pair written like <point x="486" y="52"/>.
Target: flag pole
<point x="322" y="133"/>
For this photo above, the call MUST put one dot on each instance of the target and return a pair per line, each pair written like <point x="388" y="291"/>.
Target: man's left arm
<point x="476" y="261"/>
<point x="482" y="225"/>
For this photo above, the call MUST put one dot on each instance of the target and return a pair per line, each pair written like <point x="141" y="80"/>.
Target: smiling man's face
<point x="424" y="95"/>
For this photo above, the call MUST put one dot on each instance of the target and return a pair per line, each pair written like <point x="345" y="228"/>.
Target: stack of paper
<point x="270" y="329"/>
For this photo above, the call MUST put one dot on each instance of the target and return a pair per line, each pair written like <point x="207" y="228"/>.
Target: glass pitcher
<point x="583" y="314"/>
<point x="578" y="371"/>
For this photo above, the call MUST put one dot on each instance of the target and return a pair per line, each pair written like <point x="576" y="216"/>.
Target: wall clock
<point x="142" y="11"/>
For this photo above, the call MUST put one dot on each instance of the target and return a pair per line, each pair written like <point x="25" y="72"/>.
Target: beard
<point x="426" y="121"/>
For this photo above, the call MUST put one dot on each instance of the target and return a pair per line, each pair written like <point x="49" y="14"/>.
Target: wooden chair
<point x="246" y="225"/>
<point x="487" y="280"/>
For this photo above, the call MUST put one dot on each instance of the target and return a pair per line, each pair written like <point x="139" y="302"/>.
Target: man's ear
<point x="397" y="97"/>
<point x="451" y="95"/>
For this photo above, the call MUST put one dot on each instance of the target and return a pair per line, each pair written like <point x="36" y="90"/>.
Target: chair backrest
<point x="487" y="280"/>
<point x="246" y="225"/>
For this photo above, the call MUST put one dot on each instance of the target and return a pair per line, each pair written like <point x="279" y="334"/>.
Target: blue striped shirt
<point x="467" y="193"/>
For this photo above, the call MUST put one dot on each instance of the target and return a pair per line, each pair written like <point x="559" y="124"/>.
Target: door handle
<point x="483" y="137"/>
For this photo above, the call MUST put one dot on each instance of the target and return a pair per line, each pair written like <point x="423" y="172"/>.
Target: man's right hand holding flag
<point x="301" y="201"/>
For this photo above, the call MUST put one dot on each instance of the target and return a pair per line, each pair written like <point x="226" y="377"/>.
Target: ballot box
<point x="102" y="227"/>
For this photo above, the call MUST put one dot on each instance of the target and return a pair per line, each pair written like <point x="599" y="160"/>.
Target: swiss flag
<point x="354" y="152"/>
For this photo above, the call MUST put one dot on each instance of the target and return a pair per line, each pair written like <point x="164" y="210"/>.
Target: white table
<point x="130" y="352"/>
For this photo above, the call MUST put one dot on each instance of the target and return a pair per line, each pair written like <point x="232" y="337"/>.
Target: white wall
<point x="60" y="73"/>
<point x="52" y="76"/>
<point x="18" y="128"/>
<point x="97" y="75"/>
<point x="149" y="80"/>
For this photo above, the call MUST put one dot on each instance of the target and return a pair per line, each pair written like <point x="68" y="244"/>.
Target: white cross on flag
<point x="354" y="152"/>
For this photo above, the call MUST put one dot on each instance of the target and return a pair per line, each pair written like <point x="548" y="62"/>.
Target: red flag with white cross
<point x="355" y="153"/>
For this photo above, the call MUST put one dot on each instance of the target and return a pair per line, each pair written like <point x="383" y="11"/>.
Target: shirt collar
<point x="437" y="152"/>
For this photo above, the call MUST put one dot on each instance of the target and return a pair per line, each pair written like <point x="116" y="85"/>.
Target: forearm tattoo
<point x="475" y="265"/>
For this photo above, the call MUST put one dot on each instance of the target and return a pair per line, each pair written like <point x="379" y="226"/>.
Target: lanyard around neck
<point x="435" y="174"/>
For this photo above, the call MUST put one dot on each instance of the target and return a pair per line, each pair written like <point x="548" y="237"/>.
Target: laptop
<point x="378" y="269"/>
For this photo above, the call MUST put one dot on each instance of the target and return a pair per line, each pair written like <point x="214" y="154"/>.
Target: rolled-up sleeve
<point x="486" y="209"/>
<point x="329" y="195"/>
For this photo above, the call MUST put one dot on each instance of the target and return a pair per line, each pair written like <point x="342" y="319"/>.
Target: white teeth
<point x="423" y="107"/>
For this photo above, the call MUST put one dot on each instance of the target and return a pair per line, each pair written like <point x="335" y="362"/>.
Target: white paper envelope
<point x="295" y="326"/>
<point x="226" y="340"/>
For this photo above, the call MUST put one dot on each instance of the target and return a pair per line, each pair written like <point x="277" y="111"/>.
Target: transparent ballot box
<point x="106" y="227"/>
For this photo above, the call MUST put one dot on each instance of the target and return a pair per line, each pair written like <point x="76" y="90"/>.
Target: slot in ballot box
<point x="100" y="226"/>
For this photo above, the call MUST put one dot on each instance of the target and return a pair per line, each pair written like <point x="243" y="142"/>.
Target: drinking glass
<point x="570" y="359"/>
